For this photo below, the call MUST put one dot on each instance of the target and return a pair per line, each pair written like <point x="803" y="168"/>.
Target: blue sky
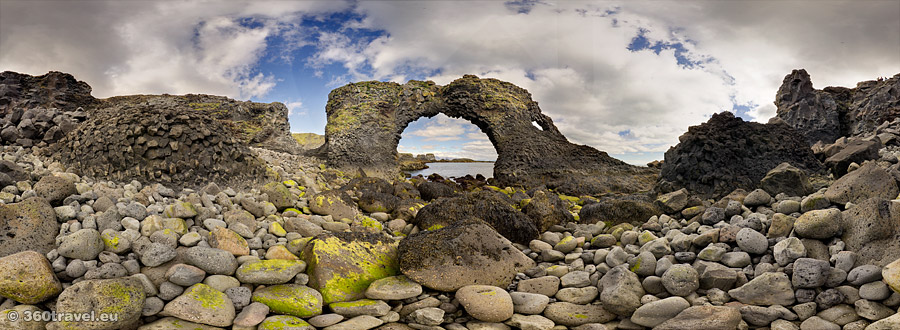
<point x="625" y="77"/>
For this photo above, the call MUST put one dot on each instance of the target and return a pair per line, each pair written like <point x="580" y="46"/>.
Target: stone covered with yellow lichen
<point x="202" y="304"/>
<point x="27" y="278"/>
<point x="121" y="298"/>
<point x="342" y="265"/>
<point x="290" y="299"/>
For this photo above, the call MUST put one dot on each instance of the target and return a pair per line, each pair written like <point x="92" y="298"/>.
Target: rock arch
<point x="366" y="119"/>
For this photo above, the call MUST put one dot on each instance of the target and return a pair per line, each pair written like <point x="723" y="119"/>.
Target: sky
<point x="626" y="77"/>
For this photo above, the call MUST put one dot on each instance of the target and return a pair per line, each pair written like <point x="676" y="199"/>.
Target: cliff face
<point x="830" y="113"/>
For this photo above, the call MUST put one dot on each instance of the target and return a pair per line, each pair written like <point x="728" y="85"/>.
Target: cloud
<point x="700" y="58"/>
<point x="442" y="128"/>
<point x="295" y="108"/>
<point x="130" y="47"/>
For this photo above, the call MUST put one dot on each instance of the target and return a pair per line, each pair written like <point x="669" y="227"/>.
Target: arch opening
<point x="450" y="147"/>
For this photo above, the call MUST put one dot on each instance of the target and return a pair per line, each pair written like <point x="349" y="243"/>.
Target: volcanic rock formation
<point x="366" y="119"/>
<point x="725" y="153"/>
<point x="830" y="113"/>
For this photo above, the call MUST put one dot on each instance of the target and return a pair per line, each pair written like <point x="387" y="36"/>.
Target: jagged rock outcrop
<point x="52" y="90"/>
<point x="365" y="121"/>
<point x="160" y="145"/>
<point x="36" y="109"/>
<point x="263" y="125"/>
<point x="57" y="99"/>
<point x="830" y="113"/>
<point x="726" y="153"/>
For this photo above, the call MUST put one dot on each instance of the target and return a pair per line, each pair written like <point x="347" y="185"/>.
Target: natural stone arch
<point x="366" y="120"/>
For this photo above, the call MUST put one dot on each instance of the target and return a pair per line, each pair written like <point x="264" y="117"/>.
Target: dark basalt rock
<point x="827" y="114"/>
<point x="633" y="209"/>
<point x="158" y="145"/>
<point x="366" y="119"/>
<point x="727" y="153"/>
<point x="52" y="90"/>
<point x="433" y="190"/>
<point x="492" y="207"/>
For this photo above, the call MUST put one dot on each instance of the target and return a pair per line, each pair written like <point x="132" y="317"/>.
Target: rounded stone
<point x="752" y="241"/>
<point x="681" y="280"/>
<point x="393" y="288"/>
<point x="486" y="303"/>
<point x="657" y="312"/>
<point x="27" y="278"/>
<point x="202" y="304"/>
<point x="284" y="322"/>
<point x="84" y="244"/>
<point x="819" y="224"/>
<point x="529" y="303"/>
<point x="290" y="299"/>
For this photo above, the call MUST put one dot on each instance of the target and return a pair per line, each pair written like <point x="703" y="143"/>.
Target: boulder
<point x="335" y="203"/>
<point x="546" y="209"/>
<point x="54" y="189"/>
<point x="872" y="230"/>
<point x="342" y="265"/>
<point x="28" y="225"/>
<point x="819" y="224"/>
<point x="493" y="208"/>
<point x="856" y="151"/>
<point x="461" y="254"/>
<point x="634" y="209"/>
<point x="869" y="181"/>
<point x="279" y="195"/>
<point x="673" y="202"/>
<point x="122" y="296"/>
<point x="622" y="291"/>
<point x="766" y="289"/>
<point x="202" y="304"/>
<point x="704" y="318"/>
<point x="27" y="278"/>
<point x="788" y="179"/>
<point x="290" y="299"/>
<point x="727" y="153"/>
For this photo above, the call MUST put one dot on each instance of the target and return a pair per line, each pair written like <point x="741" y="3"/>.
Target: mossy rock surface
<point x="290" y="299"/>
<point x="277" y="271"/>
<point x="172" y="323"/>
<point x="342" y="265"/>
<point x="202" y="304"/>
<point x="27" y="278"/>
<point x="461" y="254"/>
<point x="122" y="297"/>
<point x="284" y="322"/>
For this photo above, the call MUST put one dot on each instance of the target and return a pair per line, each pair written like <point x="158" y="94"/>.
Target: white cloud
<point x="573" y="56"/>
<point x="131" y="47"/>
<point x="442" y="128"/>
<point x="295" y="108"/>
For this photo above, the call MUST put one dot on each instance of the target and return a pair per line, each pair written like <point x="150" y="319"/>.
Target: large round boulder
<point x="493" y="207"/>
<point x="464" y="253"/>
